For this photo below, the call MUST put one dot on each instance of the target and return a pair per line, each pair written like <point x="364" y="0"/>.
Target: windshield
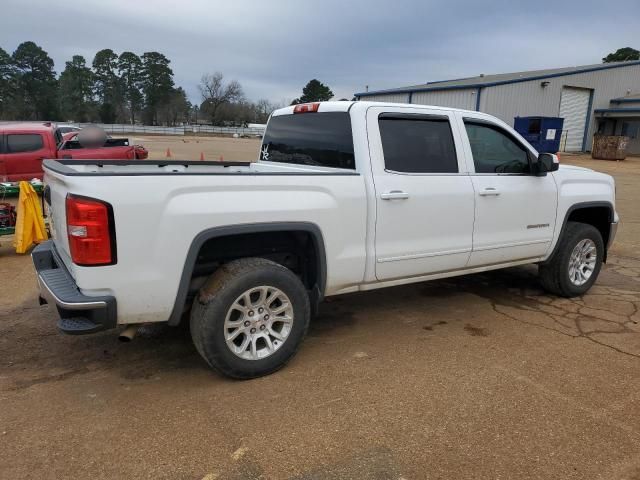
<point x="318" y="139"/>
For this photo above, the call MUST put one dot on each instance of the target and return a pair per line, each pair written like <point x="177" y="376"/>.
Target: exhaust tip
<point x="128" y="333"/>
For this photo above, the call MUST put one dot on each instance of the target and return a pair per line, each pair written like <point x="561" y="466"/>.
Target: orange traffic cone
<point x="168" y="153"/>
<point x="201" y="156"/>
<point x="221" y="158"/>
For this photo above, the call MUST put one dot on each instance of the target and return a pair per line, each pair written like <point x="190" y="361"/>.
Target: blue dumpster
<point x="543" y="133"/>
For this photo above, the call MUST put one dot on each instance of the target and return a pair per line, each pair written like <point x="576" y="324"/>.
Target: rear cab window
<point x="322" y="139"/>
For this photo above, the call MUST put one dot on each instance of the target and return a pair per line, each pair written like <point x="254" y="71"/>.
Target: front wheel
<point x="250" y="318"/>
<point x="575" y="265"/>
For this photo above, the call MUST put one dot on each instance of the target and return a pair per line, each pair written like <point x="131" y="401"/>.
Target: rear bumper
<point x="79" y="313"/>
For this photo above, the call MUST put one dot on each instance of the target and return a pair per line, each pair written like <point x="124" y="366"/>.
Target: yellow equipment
<point x="30" y="227"/>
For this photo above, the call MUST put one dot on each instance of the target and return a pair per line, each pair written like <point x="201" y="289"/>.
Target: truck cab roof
<point x="26" y="127"/>
<point x="346" y="106"/>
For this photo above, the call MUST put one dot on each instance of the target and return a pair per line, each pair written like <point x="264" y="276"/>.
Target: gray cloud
<point x="274" y="47"/>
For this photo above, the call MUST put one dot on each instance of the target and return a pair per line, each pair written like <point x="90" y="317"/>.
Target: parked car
<point x="74" y="136"/>
<point x="71" y="142"/>
<point x="346" y="197"/>
<point x="65" y="128"/>
<point x="69" y="135"/>
<point x="23" y="146"/>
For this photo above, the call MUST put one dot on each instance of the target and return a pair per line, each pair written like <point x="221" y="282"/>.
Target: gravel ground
<point x="483" y="376"/>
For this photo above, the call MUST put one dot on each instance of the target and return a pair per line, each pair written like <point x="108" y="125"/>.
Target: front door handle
<point x="394" y="195"/>
<point x="489" y="191"/>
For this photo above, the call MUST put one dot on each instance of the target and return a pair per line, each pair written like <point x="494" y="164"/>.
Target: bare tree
<point x="263" y="109"/>
<point x="215" y="93"/>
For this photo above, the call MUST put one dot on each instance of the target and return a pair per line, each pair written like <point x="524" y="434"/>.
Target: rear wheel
<point x="575" y="265"/>
<point x="250" y="318"/>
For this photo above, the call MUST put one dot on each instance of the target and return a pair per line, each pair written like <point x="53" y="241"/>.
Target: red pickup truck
<point x="23" y="146"/>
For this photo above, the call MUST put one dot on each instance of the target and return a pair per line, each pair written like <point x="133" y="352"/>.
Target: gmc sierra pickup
<point x="345" y="197"/>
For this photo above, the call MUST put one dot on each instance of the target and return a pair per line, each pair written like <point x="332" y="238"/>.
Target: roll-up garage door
<point x="574" y="107"/>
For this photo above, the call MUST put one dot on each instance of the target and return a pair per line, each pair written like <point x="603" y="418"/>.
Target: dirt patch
<point x="476" y="331"/>
<point x="191" y="148"/>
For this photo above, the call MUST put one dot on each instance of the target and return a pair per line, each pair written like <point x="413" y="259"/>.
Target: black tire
<point x="554" y="275"/>
<point x="213" y="302"/>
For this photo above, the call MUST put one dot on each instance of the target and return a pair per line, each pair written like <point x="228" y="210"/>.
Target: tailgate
<point x="55" y="194"/>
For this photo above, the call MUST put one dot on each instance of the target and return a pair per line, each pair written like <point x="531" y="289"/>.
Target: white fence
<point x="121" y="128"/>
<point x="187" y="129"/>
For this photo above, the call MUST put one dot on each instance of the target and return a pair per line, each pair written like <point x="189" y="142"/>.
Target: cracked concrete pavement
<point x="471" y="377"/>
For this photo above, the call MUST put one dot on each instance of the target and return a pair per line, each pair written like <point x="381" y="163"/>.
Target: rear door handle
<point x="394" y="195"/>
<point x="489" y="191"/>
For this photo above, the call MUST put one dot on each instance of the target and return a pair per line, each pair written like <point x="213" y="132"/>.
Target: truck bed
<point x="161" y="209"/>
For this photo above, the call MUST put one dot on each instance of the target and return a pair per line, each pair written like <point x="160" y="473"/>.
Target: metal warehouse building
<point x="592" y="98"/>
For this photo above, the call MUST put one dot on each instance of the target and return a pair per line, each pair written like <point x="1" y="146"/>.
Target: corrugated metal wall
<point x="465" y="99"/>
<point x="393" y="98"/>
<point x="444" y="98"/>
<point x="530" y="99"/>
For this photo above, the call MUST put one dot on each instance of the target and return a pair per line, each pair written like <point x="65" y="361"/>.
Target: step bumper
<point x="79" y="313"/>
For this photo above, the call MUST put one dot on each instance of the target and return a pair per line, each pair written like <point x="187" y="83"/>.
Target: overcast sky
<point x="273" y="47"/>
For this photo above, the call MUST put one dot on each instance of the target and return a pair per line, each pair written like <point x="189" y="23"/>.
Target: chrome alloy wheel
<point x="258" y="323"/>
<point x="582" y="262"/>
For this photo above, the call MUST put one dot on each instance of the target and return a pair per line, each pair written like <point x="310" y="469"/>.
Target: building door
<point x="574" y="108"/>
<point x="631" y="128"/>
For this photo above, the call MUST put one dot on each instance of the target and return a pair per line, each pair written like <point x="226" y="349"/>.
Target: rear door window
<point x="417" y="143"/>
<point x="317" y="139"/>
<point x="23" y="142"/>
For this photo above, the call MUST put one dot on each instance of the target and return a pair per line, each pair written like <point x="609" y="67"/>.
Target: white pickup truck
<point x="345" y="197"/>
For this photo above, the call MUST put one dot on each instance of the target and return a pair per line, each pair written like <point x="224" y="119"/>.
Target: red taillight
<point x="90" y="229"/>
<point x="306" y="108"/>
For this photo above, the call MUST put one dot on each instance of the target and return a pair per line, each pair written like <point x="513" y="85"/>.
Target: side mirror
<point x="550" y="160"/>
<point x="546" y="162"/>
